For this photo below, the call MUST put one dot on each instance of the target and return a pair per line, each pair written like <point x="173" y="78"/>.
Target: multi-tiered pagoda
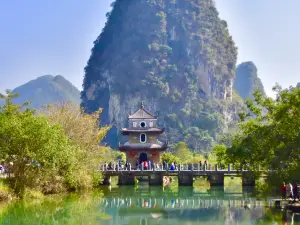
<point x="142" y="144"/>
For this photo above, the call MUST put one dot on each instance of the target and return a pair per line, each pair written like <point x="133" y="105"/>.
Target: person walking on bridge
<point x="283" y="190"/>
<point x="110" y="166"/>
<point x="295" y="191"/>
<point x="145" y="164"/>
<point x="172" y="166"/>
<point x="105" y="165"/>
<point x="289" y="190"/>
<point x="164" y="165"/>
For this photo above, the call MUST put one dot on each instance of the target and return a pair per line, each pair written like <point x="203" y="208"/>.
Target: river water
<point x="148" y="205"/>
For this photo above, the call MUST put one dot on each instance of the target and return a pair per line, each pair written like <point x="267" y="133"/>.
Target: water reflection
<point x="150" y="205"/>
<point x="153" y="205"/>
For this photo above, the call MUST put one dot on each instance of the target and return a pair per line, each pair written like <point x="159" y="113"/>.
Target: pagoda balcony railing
<point x="163" y="143"/>
<point x="144" y="128"/>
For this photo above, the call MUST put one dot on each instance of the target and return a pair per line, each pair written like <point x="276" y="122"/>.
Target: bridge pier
<point x="106" y="180"/>
<point x="248" y="180"/>
<point x="126" y="179"/>
<point x="216" y="179"/>
<point x="185" y="179"/>
<point x="155" y="179"/>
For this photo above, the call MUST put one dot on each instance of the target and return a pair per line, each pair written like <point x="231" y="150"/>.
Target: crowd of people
<point x="148" y="165"/>
<point x="290" y="191"/>
<point x="143" y="165"/>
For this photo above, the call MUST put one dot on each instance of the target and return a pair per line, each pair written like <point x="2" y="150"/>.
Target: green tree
<point x="183" y="152"/>
<point x="55" y="150"/>
<point x="119" y="156"/>
<point x="269" y="135"/>
<point x="198" y="139"/>
<point x="220" y="152"/>
<point x="168" y="157"/>
<point x="85" y="134"/>
<point x="32" y="147"/>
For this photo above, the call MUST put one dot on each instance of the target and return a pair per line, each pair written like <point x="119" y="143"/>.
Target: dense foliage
<point x="271" y="139"/>
<point x="179" y="59"/>
<point x="247" y="80"/>
<point x="169" y="158"/>
<point x="183" y="155"/>
<point x="48" y="152"/>
<point x="46" y="90"/>
<point x="84" y="132"/>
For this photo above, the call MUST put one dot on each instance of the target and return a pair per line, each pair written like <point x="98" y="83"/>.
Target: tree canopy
<point x="182" y="152"/>
<point x="45" y="151"/>
<point x="269" y="135"/>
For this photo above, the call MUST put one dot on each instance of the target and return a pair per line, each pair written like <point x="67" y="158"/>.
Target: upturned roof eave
<point x="142" y="118"/>
<point x="142" y="111"/>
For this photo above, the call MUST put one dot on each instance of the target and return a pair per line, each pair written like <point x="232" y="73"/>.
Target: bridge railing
<point x="166" y="167"/>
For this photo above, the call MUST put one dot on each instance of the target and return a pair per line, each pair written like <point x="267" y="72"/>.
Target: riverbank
<point x="7" y="194"/>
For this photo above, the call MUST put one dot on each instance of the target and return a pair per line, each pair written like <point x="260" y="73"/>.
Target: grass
<point x="33" y="194"/>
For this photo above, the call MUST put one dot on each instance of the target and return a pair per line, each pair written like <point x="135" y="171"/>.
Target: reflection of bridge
<point x="149" y="210"/>
<point x="185" y="175"/>
<point x="184" y="203"/>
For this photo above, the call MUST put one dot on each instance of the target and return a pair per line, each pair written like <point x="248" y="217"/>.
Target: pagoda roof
<point x="142" y="130"/>
<point x="142" y="114"/>
<point x="143" y="146"/>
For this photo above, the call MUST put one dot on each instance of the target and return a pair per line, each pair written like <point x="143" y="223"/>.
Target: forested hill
<point x="45" y="90"/>
<point x="176" y="56"/>
<point x="247" y="80"/>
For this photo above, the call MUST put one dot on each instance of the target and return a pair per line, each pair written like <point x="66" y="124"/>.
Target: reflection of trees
<point x="149" y="203"/>
<point x="135" y="204"/>
<point x="73" y="209"/>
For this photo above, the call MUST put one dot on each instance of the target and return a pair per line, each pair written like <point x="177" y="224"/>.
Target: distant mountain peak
<point x="47" y="89"/>
<point x="247" y="80"/>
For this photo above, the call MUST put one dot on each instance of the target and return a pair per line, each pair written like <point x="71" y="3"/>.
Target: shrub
<point x="168" y="157"/>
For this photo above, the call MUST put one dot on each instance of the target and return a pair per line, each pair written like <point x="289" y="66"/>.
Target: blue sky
<point x="55" y="37"/>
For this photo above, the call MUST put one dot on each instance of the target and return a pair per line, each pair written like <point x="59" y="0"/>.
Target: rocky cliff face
<point x="175" y="55"/>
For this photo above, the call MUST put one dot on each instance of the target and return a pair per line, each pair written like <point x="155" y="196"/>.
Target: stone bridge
<point x="185" y="175"/>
